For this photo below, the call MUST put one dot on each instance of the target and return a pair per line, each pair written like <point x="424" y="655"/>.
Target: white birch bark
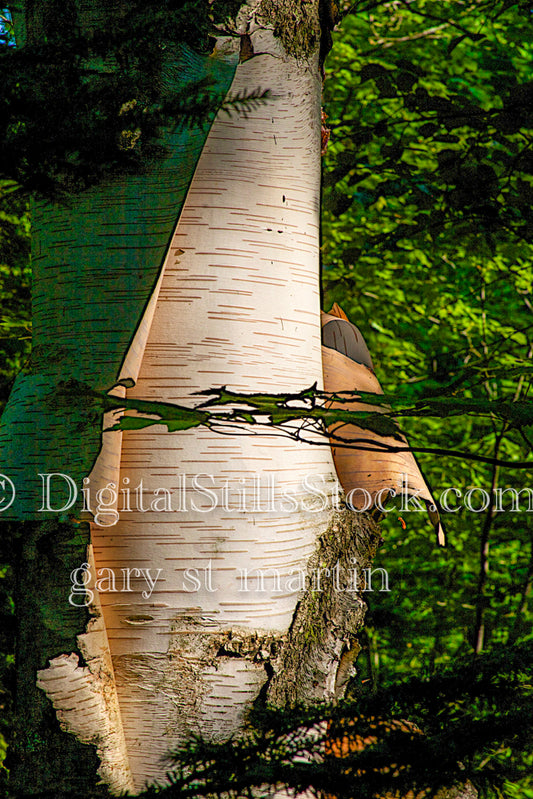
<point x="239" y="307"/>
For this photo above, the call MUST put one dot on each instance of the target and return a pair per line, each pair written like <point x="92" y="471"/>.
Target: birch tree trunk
<point x="209" y="601"/>
<point x="238" y="306"/>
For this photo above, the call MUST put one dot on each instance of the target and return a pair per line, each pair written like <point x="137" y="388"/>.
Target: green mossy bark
<point x="296" y="24"/>
<point x="302" y="27"/>
<point x="321" y="646"/>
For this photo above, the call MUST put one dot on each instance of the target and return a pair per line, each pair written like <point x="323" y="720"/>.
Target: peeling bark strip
<point x="85" y="699"/>
<point x="367" y="476"/>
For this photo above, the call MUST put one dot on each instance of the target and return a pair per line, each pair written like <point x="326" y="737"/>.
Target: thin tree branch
<point x="484" y="546"/>
<point x="524" y="597"/>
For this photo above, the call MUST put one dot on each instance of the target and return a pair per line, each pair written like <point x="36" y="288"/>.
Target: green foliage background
<point x="427" y="245"/>
<point x="440" y="284"/>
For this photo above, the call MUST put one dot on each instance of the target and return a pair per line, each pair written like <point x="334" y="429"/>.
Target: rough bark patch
<point x="296" y="24"/>
<point x="318" y="653"/>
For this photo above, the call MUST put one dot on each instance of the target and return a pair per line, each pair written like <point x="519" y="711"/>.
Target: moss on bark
<point x="296" y="24"/>
<point x="320" y="649"/>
